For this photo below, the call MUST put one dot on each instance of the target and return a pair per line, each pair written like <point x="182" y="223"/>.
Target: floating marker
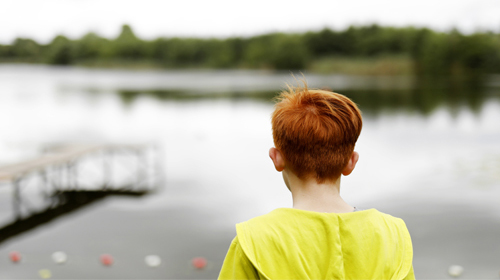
<point x="455" y="270"/>
<point x="106" y="259"/>
<point x="44" y="273"/>
<point x="15" y="257"/>
<point x="152" y="260"/>
<point x="199" y="262"/>
<point x="59" y="257"/>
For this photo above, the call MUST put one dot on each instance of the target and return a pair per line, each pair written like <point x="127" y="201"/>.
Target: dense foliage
<point x="432" y="53"/>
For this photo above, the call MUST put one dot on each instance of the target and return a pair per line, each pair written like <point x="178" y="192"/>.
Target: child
<point x="321" y="237"/>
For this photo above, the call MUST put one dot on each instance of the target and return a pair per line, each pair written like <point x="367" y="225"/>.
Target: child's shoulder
<point x="290" y="219"/>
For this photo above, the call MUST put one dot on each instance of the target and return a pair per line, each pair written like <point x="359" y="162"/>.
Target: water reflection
<point x="63" y="203"/>
<point x="421" y="99"/>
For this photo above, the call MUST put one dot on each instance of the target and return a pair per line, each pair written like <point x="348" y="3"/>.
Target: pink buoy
<point x="106" y="259"/>
<point x="199" y="262"/>
<point x="15" y="256"/>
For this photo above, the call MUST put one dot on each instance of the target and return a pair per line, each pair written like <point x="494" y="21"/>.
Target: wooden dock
<point x="77" y="168"/>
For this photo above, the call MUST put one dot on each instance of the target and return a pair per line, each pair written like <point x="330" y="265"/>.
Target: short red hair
<point x="316" y="131"/>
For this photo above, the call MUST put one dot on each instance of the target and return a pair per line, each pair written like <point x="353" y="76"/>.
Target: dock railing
<point x="98" y="168"/>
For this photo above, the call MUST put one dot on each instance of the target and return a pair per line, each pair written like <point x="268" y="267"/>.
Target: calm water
<point x="214" y="130"/>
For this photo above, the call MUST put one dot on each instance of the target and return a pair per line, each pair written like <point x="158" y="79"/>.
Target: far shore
<point x="395" y="65"/>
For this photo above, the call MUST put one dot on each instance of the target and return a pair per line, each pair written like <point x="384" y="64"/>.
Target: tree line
<point x="431" y="52"/>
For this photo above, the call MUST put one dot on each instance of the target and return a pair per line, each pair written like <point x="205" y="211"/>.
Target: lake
<point x="421" y="147"/>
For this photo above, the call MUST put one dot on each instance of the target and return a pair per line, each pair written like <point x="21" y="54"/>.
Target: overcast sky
<point x="42" y="20"/>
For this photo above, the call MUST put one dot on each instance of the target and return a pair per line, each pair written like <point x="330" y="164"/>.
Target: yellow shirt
<point x="298" y="244"/>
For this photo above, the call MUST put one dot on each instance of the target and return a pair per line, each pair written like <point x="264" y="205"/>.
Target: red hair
<point x="315" y="130"/>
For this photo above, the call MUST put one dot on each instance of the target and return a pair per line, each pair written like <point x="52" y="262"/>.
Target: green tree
<point x="277" y="51"/>
<point x="25" y="49"/>
<point x="289" y="53"/>
<point x="478" y="53"/>
<point x="5" y="51"/>
<point x="60" y="51"/>
<point x="323" y="43"/>
<point x="91" y="46"/>
<point x="128" y="46"/>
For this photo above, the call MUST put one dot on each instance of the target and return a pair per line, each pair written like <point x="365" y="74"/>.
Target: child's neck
<point x="309" y="195"/>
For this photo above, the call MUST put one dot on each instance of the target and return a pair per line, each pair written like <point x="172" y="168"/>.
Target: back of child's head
<point x="316" y="131"/>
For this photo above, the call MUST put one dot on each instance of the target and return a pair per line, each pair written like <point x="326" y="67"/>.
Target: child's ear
<point x="351" y="164"/>
<point x="277" y="158"/>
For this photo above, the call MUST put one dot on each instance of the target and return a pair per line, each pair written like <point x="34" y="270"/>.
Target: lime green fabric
<point x="297" y="244"/>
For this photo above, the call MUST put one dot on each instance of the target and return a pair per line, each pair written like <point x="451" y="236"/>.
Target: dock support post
<point x="141" y="165"/>
<point x="159" y="180"/>
<point x="107" y="176"/>
<point x="17" y="199"/>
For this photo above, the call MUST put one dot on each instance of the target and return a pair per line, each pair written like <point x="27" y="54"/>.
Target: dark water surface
<point x="428" y="154"/>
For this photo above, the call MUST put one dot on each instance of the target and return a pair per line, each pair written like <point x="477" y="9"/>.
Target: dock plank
<point x="58" y="156"/>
